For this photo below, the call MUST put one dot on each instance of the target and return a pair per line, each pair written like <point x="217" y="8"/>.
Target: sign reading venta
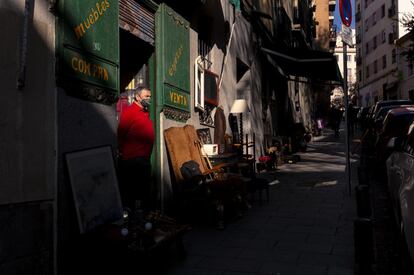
<point x="89" y="43"/>
<point x="173" y="58"/>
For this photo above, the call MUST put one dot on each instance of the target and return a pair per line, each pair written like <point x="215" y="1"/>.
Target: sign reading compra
<point x="88" y="49"/>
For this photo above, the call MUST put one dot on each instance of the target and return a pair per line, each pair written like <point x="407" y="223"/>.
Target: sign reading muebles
<point x="91" y="18"/>
<point x="88" y="48"/>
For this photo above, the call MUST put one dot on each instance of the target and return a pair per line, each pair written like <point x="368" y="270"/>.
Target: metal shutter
<point x="138" y="20"/>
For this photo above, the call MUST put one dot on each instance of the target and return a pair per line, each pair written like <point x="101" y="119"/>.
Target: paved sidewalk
<point x="306" y="228"/>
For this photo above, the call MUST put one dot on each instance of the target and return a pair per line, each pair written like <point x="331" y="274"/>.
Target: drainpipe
<point x="227" y="48"/>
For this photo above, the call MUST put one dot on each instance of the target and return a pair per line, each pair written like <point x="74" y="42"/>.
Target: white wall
<point x="405" y="8"/>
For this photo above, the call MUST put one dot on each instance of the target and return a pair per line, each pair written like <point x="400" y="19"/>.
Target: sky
<point x="337" y="17"/>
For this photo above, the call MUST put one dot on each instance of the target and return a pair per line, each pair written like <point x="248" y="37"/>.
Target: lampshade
<point x="239" y="106"/>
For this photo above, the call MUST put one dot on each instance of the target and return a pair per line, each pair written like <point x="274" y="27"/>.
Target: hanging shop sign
<point x="173" y="61"/>
<point x="88" y="49"/>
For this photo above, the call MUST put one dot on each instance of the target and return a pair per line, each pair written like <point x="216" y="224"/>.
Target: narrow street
<point x="305" y="228"/>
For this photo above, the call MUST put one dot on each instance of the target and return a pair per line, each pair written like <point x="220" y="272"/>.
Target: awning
<point x="316" y="65"/>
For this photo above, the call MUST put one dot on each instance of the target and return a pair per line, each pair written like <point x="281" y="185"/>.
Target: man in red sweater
<point x="135" y="141"/>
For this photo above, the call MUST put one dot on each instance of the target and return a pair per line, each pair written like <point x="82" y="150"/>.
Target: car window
<point x="397" y="125"/>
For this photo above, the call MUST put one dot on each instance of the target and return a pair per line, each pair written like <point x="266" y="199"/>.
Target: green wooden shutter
<point x="88" y="49"/>
<point x="173" y="63"/>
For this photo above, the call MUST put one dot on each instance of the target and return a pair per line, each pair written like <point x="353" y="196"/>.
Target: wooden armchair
<point x="219" y="189"/>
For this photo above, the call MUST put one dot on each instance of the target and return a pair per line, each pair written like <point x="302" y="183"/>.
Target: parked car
<point x="383" y="103"/>
<point x="370" y="137"/>
<point x="400" y="174"/>
<point x="382" y="112"/>
<point x="395" y="124"/>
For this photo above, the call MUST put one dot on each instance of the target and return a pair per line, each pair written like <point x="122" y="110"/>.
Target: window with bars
<point x="204" y="50"/>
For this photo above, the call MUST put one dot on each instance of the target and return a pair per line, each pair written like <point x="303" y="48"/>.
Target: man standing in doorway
<point x="135" y="141"/>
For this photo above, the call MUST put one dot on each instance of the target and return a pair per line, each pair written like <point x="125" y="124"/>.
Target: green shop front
<point x="88" y="49"/>
<point x="107" y="48"/>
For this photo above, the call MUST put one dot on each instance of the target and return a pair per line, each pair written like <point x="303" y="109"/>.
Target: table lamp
<point x="239" y="107"/>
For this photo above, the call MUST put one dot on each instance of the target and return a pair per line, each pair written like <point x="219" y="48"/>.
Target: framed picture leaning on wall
<point x="94" y="185"/>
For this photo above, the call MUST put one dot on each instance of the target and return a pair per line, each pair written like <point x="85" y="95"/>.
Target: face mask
<point x="146" y="103"/>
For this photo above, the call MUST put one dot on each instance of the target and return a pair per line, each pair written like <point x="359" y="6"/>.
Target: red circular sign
<point x="345" y="10"/>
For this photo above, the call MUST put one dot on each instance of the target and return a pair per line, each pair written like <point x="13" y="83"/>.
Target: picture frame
<point x="94" y="183"/>
<point x="204" y="135"/>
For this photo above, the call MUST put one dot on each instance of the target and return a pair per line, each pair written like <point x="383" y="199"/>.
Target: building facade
<point x="326" y="31"/>
<point x="377" y="28"/>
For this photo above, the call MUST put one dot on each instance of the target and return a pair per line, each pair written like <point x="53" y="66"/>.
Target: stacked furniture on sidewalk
<point x="212" y="189"/>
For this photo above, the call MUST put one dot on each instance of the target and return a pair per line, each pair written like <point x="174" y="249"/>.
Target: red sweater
<point x="135" y="133"/>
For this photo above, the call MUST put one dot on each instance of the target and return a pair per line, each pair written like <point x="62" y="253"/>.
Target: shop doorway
<point x="135" y="56"/>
